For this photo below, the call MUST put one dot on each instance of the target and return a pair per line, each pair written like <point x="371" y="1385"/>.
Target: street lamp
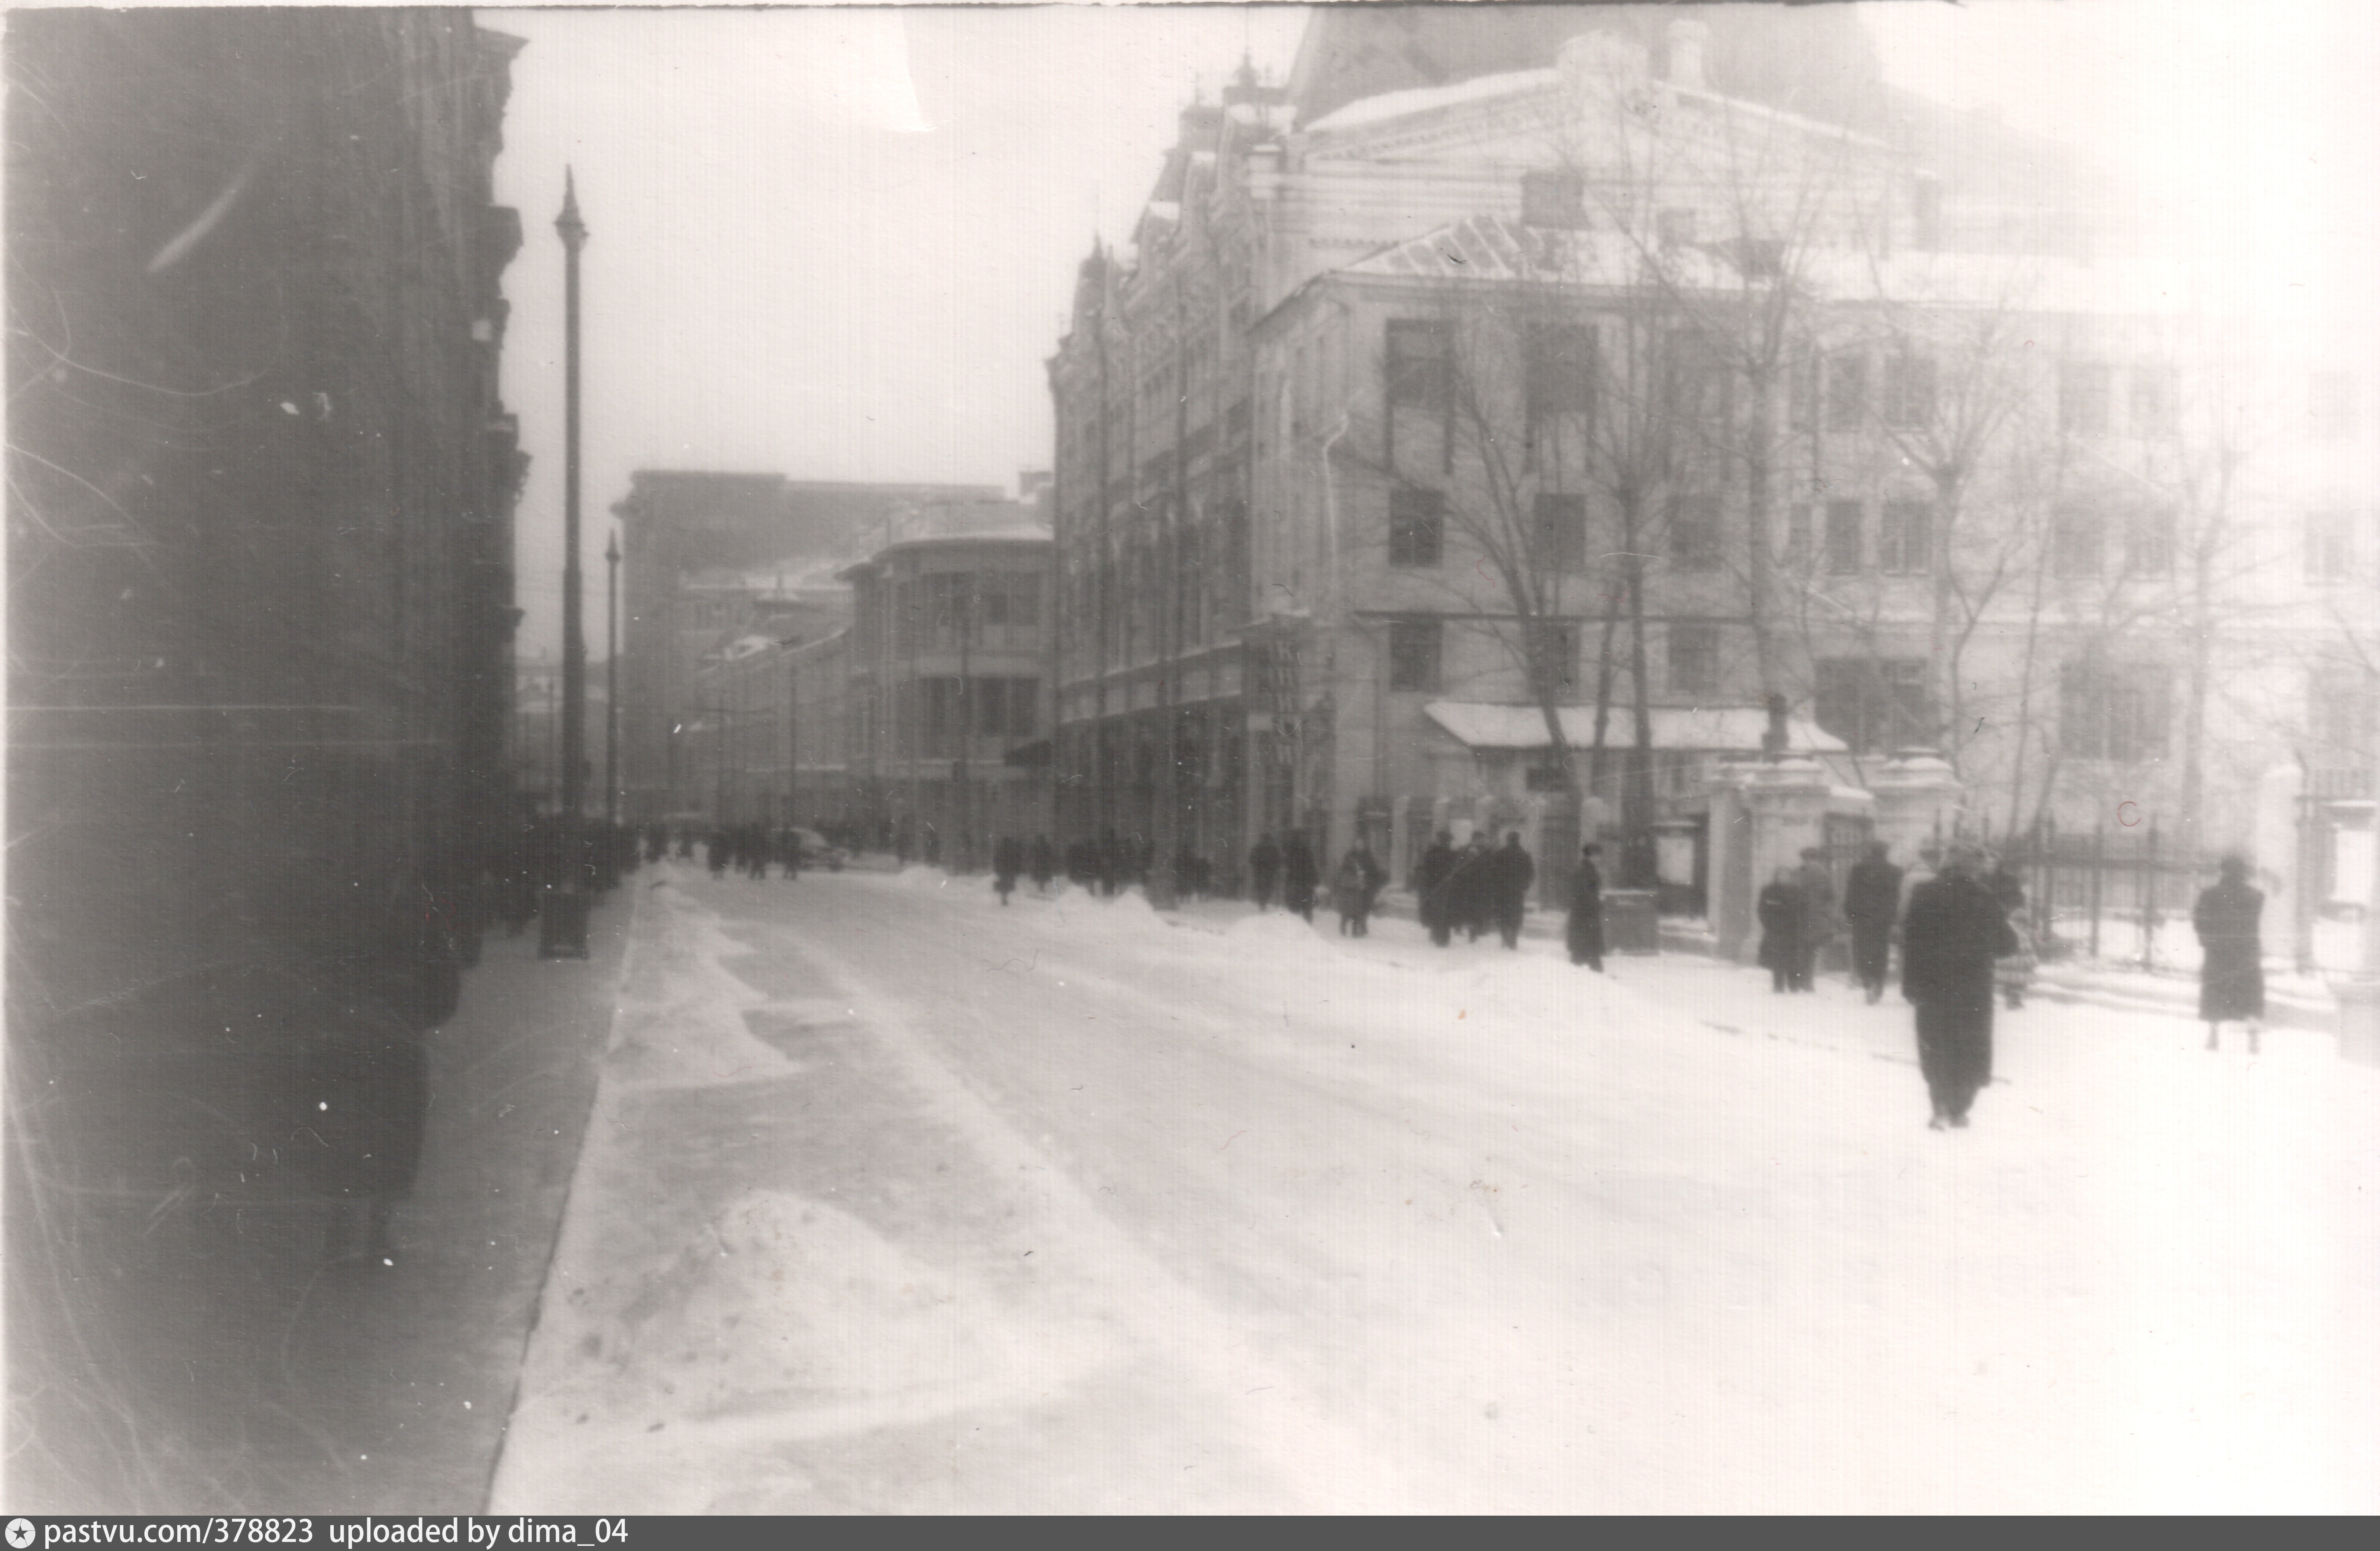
<point x="561" y="932"/>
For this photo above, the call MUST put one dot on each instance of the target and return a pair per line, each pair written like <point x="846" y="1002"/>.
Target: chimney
<point x="1687" y="37"/>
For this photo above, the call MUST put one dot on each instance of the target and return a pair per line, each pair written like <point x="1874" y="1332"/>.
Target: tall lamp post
<point x="563" y="932"/>
<point x="612" y="849"/>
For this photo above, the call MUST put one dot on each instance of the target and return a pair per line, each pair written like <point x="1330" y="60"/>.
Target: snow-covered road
<point x="898" y="1200"/>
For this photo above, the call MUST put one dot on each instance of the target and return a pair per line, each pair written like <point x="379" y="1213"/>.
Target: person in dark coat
<point x="1471" y="890"/>
<point x="1585" y="928"/>
<point x="1817" y="914"/>
<point x="1007" y="861"/>
<point x="1300" y="876"/>
<point x="1264" y="868"/>
<point x="1431" y="882"/>
<point x="1872" y="904"/>
<point x="2230" y="918"/>
<point x="1514" y="870"/>
<point x="1782" y="908"/>
<point x="1950" y="938"/>
<point x="1044" y="865"/>
<point x="1353" y="887"/>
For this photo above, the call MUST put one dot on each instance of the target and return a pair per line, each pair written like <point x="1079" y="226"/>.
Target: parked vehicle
<point x="819" y="852"/>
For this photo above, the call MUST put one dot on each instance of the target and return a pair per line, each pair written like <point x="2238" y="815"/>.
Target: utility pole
<point x="963" y="805"/>
<point x="612" y="685"/>
<point x="563" y="931"/>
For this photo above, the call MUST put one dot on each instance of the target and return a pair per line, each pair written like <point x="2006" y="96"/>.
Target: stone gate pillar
<point x="1917" y="799"/>
<point x="1762" y="818"/>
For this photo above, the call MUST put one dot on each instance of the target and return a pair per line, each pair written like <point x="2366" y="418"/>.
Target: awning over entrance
<point x="1701" y="729"/>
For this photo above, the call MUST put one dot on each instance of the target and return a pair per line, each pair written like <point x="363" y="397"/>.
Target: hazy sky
<point x="839" y="244"/>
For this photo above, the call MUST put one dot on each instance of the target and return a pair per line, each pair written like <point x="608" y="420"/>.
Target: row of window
<point x="2083" y="540"/>
<point x="983" y="708"/>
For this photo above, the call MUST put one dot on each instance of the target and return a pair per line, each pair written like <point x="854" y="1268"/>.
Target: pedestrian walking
<point x="1950" y="937"/>
<point x="1044" y="864"/>
<point x="1264" y="868"/>
<point x="1353" y="887"/>
<point x="1431" y="877"/>
<point x="1300" y="876"/>
<point x="1872" y="904"/>
<point x="1818" y="904"/>
<point x="1513" y="870"/>
<point x="1586" y="927"/>
<point x="1783" y="910"/>
<point x="1007" y="861"/>
<point x="2230" y="919"/>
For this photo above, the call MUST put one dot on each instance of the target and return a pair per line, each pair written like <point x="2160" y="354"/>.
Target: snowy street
<point x="897" y="1200"/>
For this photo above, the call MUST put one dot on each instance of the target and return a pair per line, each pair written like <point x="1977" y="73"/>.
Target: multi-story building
<point x="1509" y="416"/>
<point x="706" y="556"/>
<point x="946" y="739"/>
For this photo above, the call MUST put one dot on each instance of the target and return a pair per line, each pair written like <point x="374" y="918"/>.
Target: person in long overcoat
<point x="1817" y="914"/>
<point x="1044" y="865"/>
<point x="1514" y="870"/>
<point x="1952" y="934"/>
<point x="1431" y="882"/>
<point x="1585" y="926"/>
<point x="1353" y="887"/>
<point x="1872" y="904"/>
<point x="1783" y="910"/>
<point x="2230" y="918"/>
<point x="1007" y="861"/>
<point x="1264" y="868"/>
<point x="1471" y="892"/>
<point x="1300" y="875"/>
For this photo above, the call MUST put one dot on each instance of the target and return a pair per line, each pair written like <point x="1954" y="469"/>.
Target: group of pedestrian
<point x="1796" y="910"/>
<point x="1288" y="864"/>
<point x="750" y="848"/>
<point x="1476" y="889"/>
<point x="1012" y="859"/>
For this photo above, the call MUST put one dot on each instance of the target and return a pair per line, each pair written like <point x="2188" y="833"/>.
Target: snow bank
<point x="1283" y="927"/>
<point x="680" y="1019"/>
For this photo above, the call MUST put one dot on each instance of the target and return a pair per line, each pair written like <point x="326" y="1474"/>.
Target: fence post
<point x="2098" y="871"/>
<point x="2149" y="901"/>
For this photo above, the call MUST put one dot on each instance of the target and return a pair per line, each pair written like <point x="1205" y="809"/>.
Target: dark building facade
<point x="259" y="548"/>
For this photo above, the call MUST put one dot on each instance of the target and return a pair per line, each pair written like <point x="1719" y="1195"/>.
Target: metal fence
<point x="2113" y="893"/>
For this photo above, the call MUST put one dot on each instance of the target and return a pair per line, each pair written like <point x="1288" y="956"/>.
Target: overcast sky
<point x="839" y="244"/>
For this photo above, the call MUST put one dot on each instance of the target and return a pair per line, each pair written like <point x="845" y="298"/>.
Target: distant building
<point x="708" y="556"/>
<point x="948" y="740"/>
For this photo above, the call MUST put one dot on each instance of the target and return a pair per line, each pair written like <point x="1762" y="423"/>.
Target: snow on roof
<point x="1712" y="729"/>
<point x="1424" y="98"/>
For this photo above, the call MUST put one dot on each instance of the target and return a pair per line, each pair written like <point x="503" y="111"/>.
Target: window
<point x="1908" y="391"/>
<point x="2115" y="713"/>
<point x="2338" y="711"/>
<point x="1843" y="524"/>
<point x="1413" y="646"/>
<point x="1420" y="367"/>
<point x="1904" y="543"/>
<point x="2156" y="397"/>
<point x="2330" y="407"/>
<point x="1561" y="531"/>
<point x="1802" y="391"/>
<point x="1561" y="369"/>
<point x="1694" y="533"/>
<point x="2083" y="389"/>
<point x="1846" y="391"/>
<point x="1553" y="656"/>
<point x="1797" y="535"/>
<point x="2075" y="536"/>
<point x="1553" y="198"/>
<point x="1700" y="379"/>
<point x="2148" y="544"/>
<point x="1417" y="528"/>
<point x="1760" y="258"/>
<point x="2330" y="547"/>
<point x="1674" y="228"/>
<point x="1873" y="704"/>
<point x="1693" y="659"/>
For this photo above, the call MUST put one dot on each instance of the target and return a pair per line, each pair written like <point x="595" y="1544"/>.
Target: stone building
<point x="1593" y="370"/>
<point x="947" y="711"/>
